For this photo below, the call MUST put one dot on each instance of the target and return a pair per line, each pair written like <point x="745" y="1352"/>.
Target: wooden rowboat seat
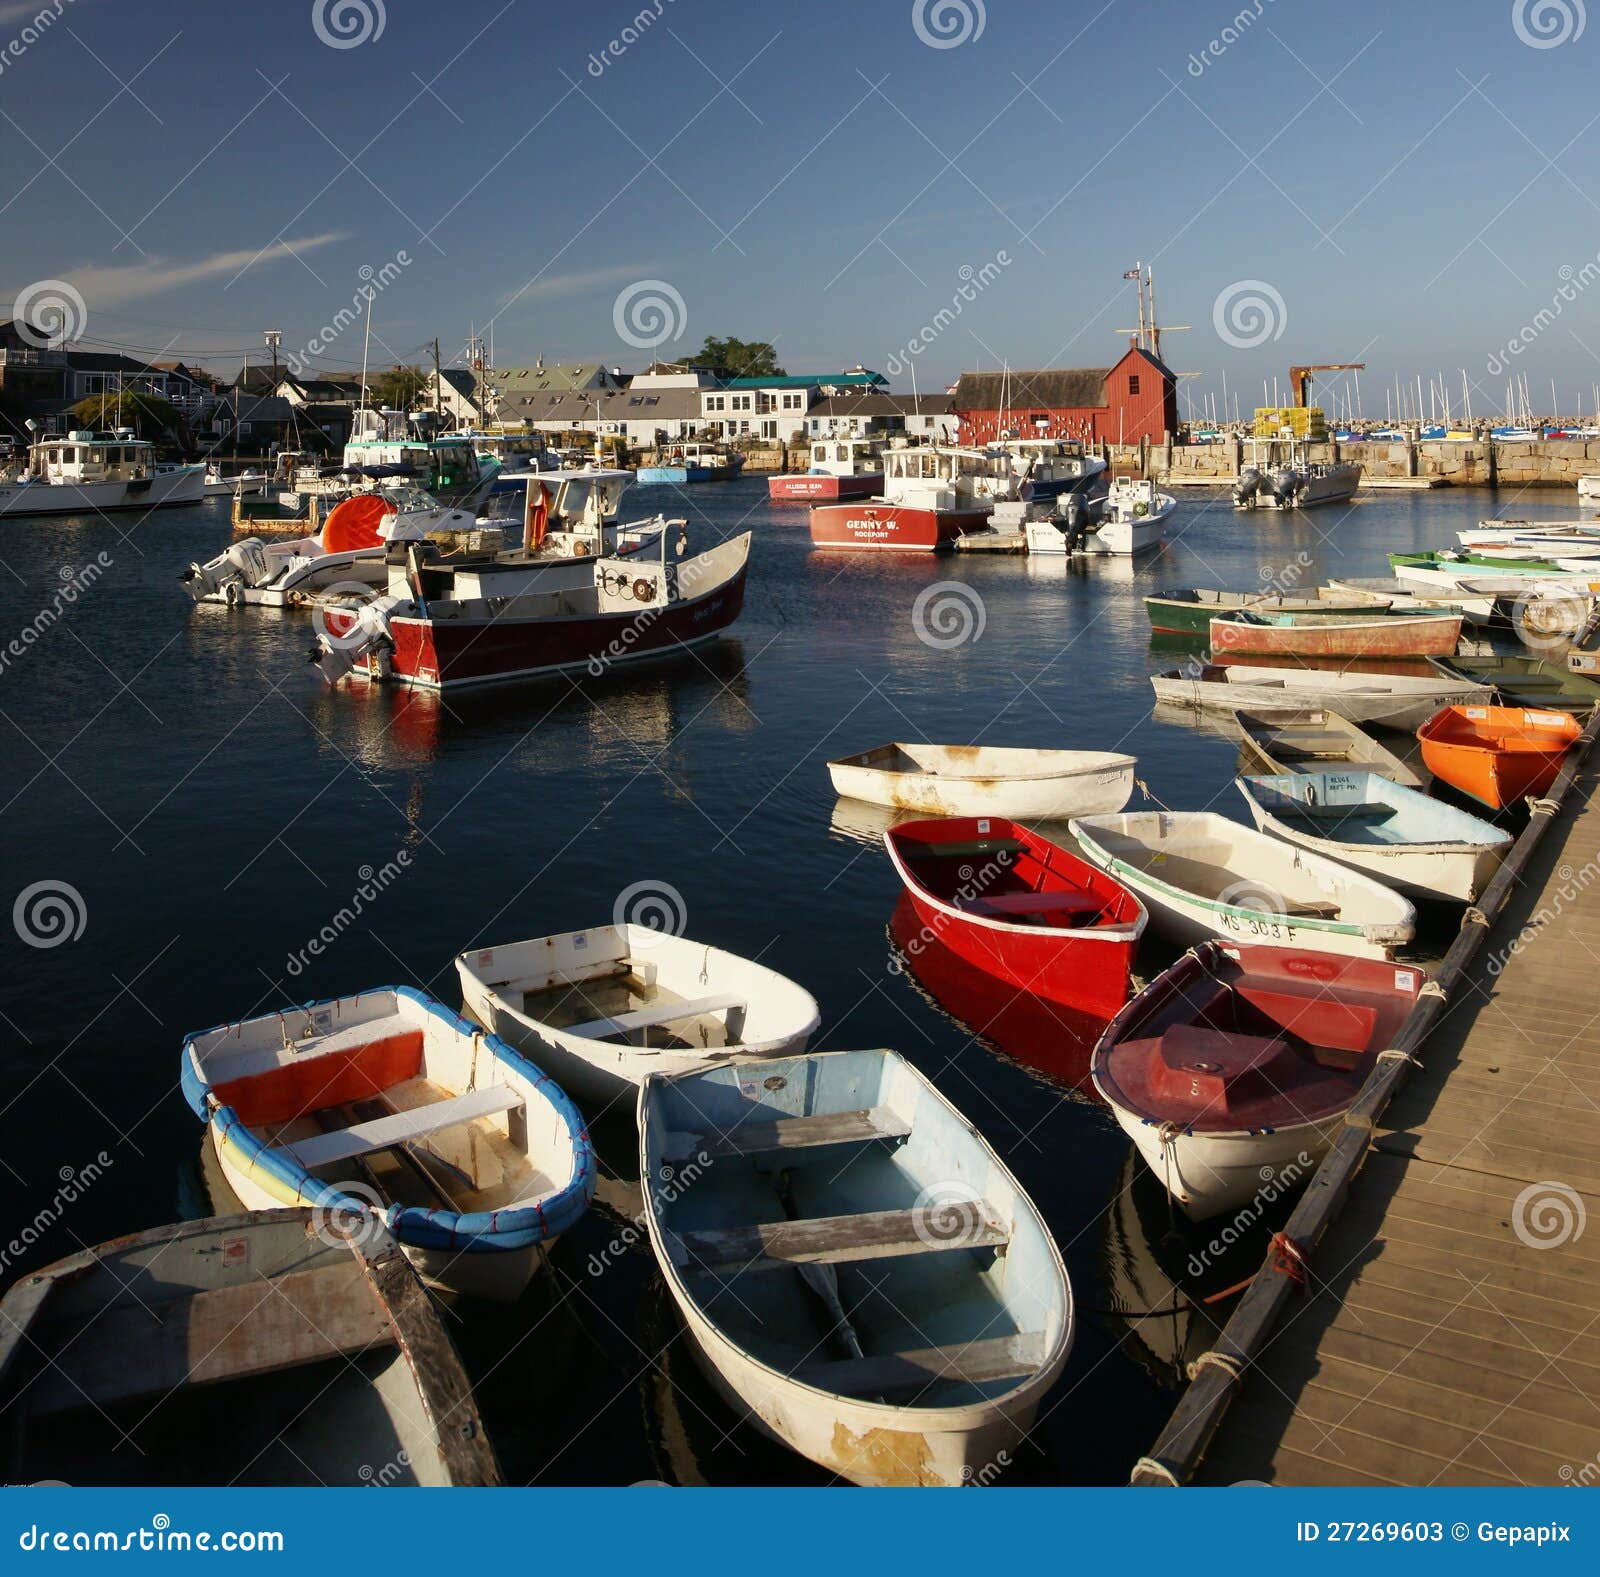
<point x="384" y="1133"/>
<point x="204" y="1338"/>
<point x="865" y="1126"/>
<point x="1033" y="903"/>
<point x="980" y="1362"/>
<point x="829" y="1240"/>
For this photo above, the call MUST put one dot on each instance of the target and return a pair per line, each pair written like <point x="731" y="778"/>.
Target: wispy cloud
<point x="582" y="279"/>
<point x="110" y="286"/>
<point x="27" y="10"/>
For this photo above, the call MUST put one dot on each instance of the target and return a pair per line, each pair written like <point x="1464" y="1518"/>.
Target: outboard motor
<point x="1283" y="484"/>
<point x="1074" y="513"/>
<point x="1248" y="485"/>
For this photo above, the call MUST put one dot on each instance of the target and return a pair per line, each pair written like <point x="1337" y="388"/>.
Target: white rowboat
<point x="1399" y="701"/>
<point x="987" y="780"/>
<point x="1201" y="875"/>
<point x="599" y="1010"/>
<point x="860" y="1273"/>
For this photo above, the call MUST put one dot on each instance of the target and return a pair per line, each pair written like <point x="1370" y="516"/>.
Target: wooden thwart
<point x="229" y="1334"/>
<point x="385" y="1132"/>
<point x="830" y="1240"/>
<point x="659" y="1013"/>
<point x="792" y="1133"/>
<point x="907" y="1373"/>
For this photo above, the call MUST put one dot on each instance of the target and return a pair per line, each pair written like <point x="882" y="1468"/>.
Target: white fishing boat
<point x="220" y="486"/>
<point x="987" y="780"/>
<point x="598" y="1010"/>
<point x="1419" y="845"/>
<point x="1133" y="518"/>
<point x="283" y="1348"/>
<point x="1202" y="875"/>
<point x="1399" y="701"/>
<point x="89" y="473"/>
<point x="568" y="520"/>
<point x="860" y="1274"/>
<point x="1589" y="492"/>
<point x="1279" y="475"/>
<point x="388" y="1106"/>
<point x="1539" y="537"/>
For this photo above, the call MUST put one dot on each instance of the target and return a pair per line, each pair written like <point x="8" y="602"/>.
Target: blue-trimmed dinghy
<point x="859" y="1271"/>
<point x="1419" y="845"/>
<point x="390" y="1104"/>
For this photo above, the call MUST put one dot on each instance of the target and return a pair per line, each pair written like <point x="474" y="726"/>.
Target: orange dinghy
<point x="1497" y="754"/>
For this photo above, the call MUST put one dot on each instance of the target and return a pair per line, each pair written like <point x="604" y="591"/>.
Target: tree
<point x="147" y="414"/>
<point x="400" y="388"/>
<point x="737" y="358"/>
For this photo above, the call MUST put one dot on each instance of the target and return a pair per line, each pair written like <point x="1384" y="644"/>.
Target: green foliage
<point x="147" y="414"/>
<point x="737" y="358"/>
<point x="400" y="388"/>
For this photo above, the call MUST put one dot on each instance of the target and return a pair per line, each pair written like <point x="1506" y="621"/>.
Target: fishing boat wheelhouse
<point x="86" y="472"/>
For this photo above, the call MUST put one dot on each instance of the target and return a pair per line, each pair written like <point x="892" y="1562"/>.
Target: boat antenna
<point x="366" y="341"/>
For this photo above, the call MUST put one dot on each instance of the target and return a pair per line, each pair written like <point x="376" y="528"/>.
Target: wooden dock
<point x="1447" y="1330"/>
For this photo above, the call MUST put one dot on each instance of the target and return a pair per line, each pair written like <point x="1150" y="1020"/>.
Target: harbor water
<point x="202" y="831"/>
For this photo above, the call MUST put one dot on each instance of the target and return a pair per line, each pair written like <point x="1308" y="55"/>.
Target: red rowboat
<point x="1020" y="908"/>
<point x="1391" y="635"/>
<point x="1497" y="754"/>
<point x="1230" y="1070"/>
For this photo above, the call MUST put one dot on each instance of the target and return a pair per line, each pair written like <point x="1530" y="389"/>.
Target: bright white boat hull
<point x="185" y="486"/>
<point x="1400" y="709"/>
<point x="1209" y="1174"/>
<point x="1187" y="917"/>
<point x="1452" y="872"/>
<point x="1089" y="791"/>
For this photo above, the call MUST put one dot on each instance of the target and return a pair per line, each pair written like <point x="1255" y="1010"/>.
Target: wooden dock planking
<point x="1438" y="1346"/>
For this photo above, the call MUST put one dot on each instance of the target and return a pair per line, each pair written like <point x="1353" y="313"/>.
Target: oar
<point x="823" y="1280"/>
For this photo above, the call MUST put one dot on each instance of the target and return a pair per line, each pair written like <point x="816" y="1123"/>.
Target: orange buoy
<point x="354" y="523"/>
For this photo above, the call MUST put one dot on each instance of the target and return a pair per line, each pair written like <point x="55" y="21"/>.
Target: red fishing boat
<point x="1020" y="908"/>
<point x="932" y="494"/>
<point x="1231" y="1070"/>
<point x="444" y="633"/>
<point x="841" y="468"/>
<point x="1497" y="754"/>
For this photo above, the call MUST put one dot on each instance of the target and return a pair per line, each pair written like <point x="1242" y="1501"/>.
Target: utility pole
<point x="438" y="385"/>
<point x="479" y="373"/>
<point x="274" y="338"/>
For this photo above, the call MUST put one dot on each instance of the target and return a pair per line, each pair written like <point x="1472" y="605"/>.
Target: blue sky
<point x="822" y="175"/>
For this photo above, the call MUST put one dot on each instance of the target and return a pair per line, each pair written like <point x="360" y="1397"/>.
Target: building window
<point x="1133" y="383"/>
